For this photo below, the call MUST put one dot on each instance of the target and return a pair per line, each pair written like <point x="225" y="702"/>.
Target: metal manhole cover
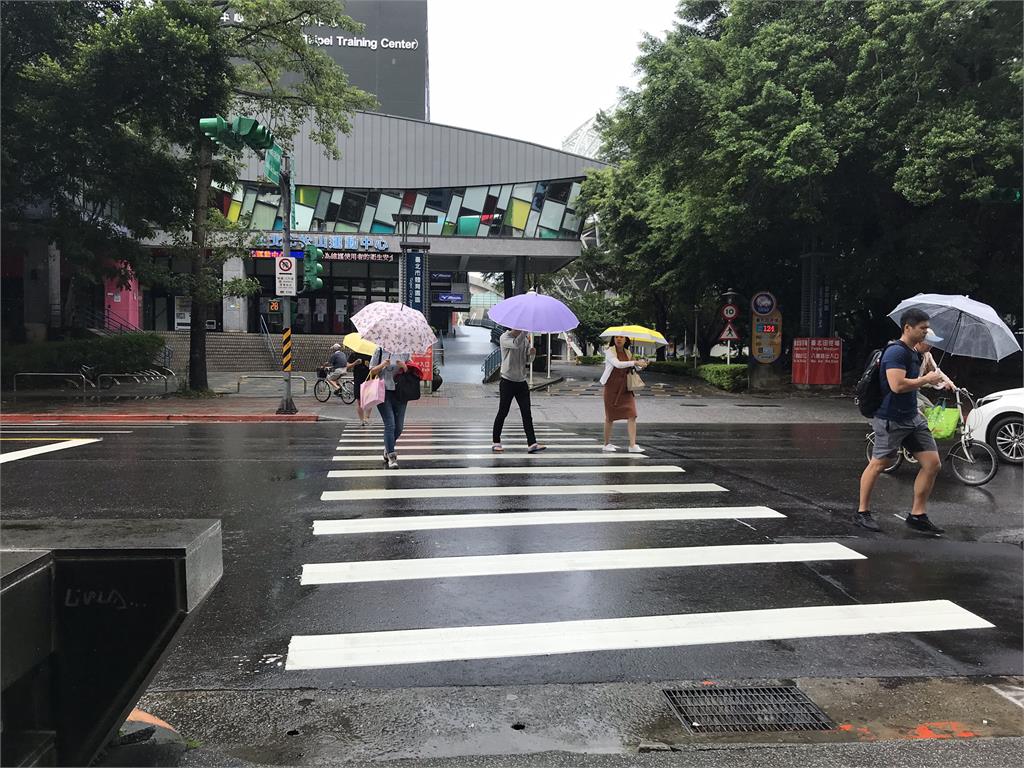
<point x="716" y="709"/>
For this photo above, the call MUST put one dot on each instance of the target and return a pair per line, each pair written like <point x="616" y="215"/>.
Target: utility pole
<point x="286" y="405"/>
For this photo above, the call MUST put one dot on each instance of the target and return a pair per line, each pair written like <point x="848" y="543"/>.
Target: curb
<point x="25" y="418"/>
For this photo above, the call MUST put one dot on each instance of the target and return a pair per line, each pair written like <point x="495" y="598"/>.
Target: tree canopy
<point x="873" y="132"/>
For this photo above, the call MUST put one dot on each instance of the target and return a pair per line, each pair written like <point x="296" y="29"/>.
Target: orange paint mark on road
<point x="845" y="727"/>
<point x="943" y="729"/>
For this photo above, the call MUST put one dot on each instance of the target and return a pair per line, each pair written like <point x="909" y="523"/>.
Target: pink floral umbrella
<point x="395" y="327"/>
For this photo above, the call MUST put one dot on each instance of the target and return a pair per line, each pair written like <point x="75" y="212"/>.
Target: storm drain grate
<point x="746" y="710"/>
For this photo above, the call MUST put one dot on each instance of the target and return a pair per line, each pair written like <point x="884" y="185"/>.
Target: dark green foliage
<point x="731" y="378"/>
<point x="125" y="353"/>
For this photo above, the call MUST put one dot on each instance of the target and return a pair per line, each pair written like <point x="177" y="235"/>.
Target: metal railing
<point x="279" y="376"/>
<point x="265" y="333"/>
<point x="491" y="364"/>
<point x="139" y="377"/>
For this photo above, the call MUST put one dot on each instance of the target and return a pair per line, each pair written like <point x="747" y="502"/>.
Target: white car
<point x="998" y="419"/>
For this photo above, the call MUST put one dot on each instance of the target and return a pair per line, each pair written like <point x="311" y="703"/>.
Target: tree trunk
<point x="197" y="326"/>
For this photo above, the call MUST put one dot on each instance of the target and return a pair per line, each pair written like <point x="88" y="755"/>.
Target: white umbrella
<point x="967" y="327"/>
<point x="395" y="327"/>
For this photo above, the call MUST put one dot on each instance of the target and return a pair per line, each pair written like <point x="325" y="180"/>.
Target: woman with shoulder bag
<point x="392" y="410"/>
<point x="619" y="400"/>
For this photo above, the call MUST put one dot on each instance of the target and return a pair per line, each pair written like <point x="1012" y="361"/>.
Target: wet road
<point x="292" y="599"/>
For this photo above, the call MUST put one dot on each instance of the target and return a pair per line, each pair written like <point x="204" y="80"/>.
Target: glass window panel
<point x="344" y="226"/>
<point x="523" y="191"/>
<point x="373" y="197"/>
<point x="531" y="224"/>
<point x="379" y="269"/>
<point x="571" y="222"/>
<point x="484" y="231"/>
<point x="559" y="191"/>
<point x="248" y="202"/>
<point x="468" y="225"/>
<point x="437" y="226"/>
<point x="574" y="193"/>
<point x="307" y="195"/>
<point x="237" y="191"/>
<point x="321" y="206"/>
<point x="234" y="210"/>
<point x="303" y="217"/>
<point x="490" y="204"/>
<point x="379" y="286"/>
<point x="359" y="285"/>
<point x="332" y="207"/>
<point x="421" y="203"/>
<point x="408" y="198"/>
<point x="381" y="228"/>
<point x="278" y="224"/>
<point x="351" y="208"/>
<point x="504" y="195"/>
<point x="367" y="220"/>
<point x="454" y="208"/>
<point x="551" y="215"/>
<point x="474" y="200"/>
<point x="386" y="208"/>
<point x="448" y="229"/>
<point x="546" y="234"/>
<point x="538" y="196"/>
<point x="439" y="198"/>
<point x="263" y="216"/>
<point x="517" y="213"/>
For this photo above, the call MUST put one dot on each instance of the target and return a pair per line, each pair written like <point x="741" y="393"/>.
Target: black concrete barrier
<point x="90" y="608"/>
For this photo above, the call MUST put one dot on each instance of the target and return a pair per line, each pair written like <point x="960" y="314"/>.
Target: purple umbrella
<point x="533" y="312"/>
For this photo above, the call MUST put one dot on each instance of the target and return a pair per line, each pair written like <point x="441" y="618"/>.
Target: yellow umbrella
<point x="636" y="333"/>
<point x="357" y="343"/>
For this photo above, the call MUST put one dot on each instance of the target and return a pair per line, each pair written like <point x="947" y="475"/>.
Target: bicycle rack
<point x="64" y="376"/>
<point x="270" y="376"/>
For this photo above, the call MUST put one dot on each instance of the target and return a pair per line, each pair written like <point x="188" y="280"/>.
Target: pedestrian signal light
<point x="312" y="268"/>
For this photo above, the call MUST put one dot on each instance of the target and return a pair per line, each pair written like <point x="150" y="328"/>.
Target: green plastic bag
<point x="942" y="421"/>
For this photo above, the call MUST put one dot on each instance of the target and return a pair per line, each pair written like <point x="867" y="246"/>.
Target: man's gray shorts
<point x="336" y="374"/>
<point x="890" y="434"/>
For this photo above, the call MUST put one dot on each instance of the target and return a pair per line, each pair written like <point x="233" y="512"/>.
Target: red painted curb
<point x="25" y="418"/>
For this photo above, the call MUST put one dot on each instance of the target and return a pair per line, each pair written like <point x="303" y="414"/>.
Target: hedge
<point x="124" y="353"/>
<point x="731" y="378"/>
<point x="590" y="359"/>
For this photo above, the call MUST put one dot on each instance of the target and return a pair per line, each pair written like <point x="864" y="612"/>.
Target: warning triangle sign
<point x="729" y="333"/>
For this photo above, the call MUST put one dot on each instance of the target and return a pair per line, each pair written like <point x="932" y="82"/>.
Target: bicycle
<point x="322" y="390"/>
<point x="973" y="461"/>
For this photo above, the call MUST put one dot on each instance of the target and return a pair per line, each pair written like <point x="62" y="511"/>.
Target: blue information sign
<point x="451" y="298"/>
<point x="414" y="261"/>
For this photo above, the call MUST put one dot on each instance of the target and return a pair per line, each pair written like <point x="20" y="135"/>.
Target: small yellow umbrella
<point x="636" y="333"/>
<point x="357" y="343"/>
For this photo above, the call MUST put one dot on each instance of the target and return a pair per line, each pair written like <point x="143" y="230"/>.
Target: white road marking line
<point x="101" y="424"/>
<point x="565" y="562"/>
<point x="404" y="440"/>
<point x="474" y="447"/>
<point x="418" y="646"/>
<point x="356" y="474"/>
<point x="455" y="430"/>
<point x="612" y="489"/>
<point x="519" y="454"/>
<point x="553" y="517"/>
<point x="65" y="431"/>
<point x="24" y="454"/>
<point x="1012" y="693"/>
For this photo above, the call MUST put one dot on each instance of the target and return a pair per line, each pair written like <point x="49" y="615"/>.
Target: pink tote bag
<point x="371" y="393"/>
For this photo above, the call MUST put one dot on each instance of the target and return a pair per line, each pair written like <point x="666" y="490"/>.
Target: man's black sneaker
<point x="865" y="520"/>
<point x="923" y="524"/>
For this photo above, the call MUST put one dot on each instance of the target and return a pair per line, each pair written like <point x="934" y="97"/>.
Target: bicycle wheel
<point x="322" y="390"/>
<point x="348" y="391"/>
<point x="869" y="449"/>
<point x="973" y="462"/>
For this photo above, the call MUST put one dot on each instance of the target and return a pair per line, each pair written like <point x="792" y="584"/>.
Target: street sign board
<point x="272" y="165"/>
<point x="729" y="333"/>
<point x="730" y="312"/>
<point x="763" y="303"/>
<point x="285" y="274"/>
<point x="817" y="361"/>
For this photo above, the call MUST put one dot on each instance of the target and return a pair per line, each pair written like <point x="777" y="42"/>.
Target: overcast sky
<point x="534" y="69"/>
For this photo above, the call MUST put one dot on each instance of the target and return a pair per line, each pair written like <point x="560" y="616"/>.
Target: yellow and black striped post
<point x="286" y="350"/>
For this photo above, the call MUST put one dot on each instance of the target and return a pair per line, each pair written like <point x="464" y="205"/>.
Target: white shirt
<point x="611" y="361"/>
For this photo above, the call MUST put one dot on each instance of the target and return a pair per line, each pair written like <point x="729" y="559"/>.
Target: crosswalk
<point x="442" y="486"/>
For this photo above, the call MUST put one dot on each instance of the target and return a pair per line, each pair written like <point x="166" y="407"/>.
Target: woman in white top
<point x="619" y="402"/>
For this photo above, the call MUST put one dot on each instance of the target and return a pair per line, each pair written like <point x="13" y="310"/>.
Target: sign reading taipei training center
<point x="285" y="274"/>
<point x="817" y="361"/>
<point x="414" y="263"/>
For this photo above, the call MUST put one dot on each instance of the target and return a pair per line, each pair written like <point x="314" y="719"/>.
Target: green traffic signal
<point x="220" y="132"/>
<point x="252" y="133"/>
<point x="240" y="132"/>
<point x="312" y="268"/>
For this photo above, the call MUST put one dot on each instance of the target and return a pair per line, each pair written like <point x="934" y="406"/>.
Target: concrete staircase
<point x="247" y="352"/>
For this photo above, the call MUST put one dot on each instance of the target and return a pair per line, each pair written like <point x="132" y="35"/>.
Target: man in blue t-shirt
<point x="897" y="422"/>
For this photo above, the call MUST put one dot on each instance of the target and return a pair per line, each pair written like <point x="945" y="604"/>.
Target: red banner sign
<point x="817" y="361"/>
<point x="425" y="362"/>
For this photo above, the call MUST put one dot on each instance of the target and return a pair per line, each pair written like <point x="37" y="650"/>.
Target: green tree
<point x="871" y="131"/>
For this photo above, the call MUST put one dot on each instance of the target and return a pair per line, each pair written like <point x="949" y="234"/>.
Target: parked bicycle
<point x="322" y="390"/>
<point x="973" y="461"/>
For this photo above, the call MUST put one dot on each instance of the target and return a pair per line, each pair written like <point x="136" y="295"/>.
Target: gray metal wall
<point x="386" y="152"/>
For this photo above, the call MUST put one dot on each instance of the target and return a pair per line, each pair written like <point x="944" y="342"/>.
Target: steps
<point x="230" y="352"/>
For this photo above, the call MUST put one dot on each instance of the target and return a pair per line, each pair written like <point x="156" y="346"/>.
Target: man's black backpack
<point x="869" y="387"/>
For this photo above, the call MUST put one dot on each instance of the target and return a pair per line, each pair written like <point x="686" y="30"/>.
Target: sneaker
<point x="536" y="448"/>
<point x="393" y="461"/>
<point x="635" y="449"/>
<point x="865" y="520"/>
<point x="497" y="448"/>
<point x="923" y="524"/>
<point x="609" y="448"/>
<point x="386" y="458"/>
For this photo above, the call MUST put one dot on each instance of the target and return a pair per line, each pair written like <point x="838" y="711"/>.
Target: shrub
<point x="674" y="367"/>
<point x="125" y="353"/>
<point x="590" y="359"/>
<point x="731" y="378"/>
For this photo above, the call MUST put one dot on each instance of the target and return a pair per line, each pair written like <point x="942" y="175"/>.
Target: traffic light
<point x="312" y="268"/>
<point x="252" y="133"/>
<point x="220" y="131"/>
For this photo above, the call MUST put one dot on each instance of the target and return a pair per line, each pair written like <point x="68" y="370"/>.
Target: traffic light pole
<point x="286" y="405"/>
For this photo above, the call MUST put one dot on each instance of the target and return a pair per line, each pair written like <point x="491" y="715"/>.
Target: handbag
<point x="371" y="393"/>
<point x="634" y="382"/>
<point x="942" y="421"/>
<point x="407" y="387"/>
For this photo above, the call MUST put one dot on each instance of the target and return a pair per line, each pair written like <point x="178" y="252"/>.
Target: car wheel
<point x="1007" y="437"/>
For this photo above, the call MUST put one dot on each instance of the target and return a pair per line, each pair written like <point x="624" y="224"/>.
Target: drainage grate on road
<point x="716" y="709"/>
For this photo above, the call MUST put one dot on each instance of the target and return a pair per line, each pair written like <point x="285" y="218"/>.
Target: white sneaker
<point x="609" y="448"/>
<point x="635" y="449"/>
